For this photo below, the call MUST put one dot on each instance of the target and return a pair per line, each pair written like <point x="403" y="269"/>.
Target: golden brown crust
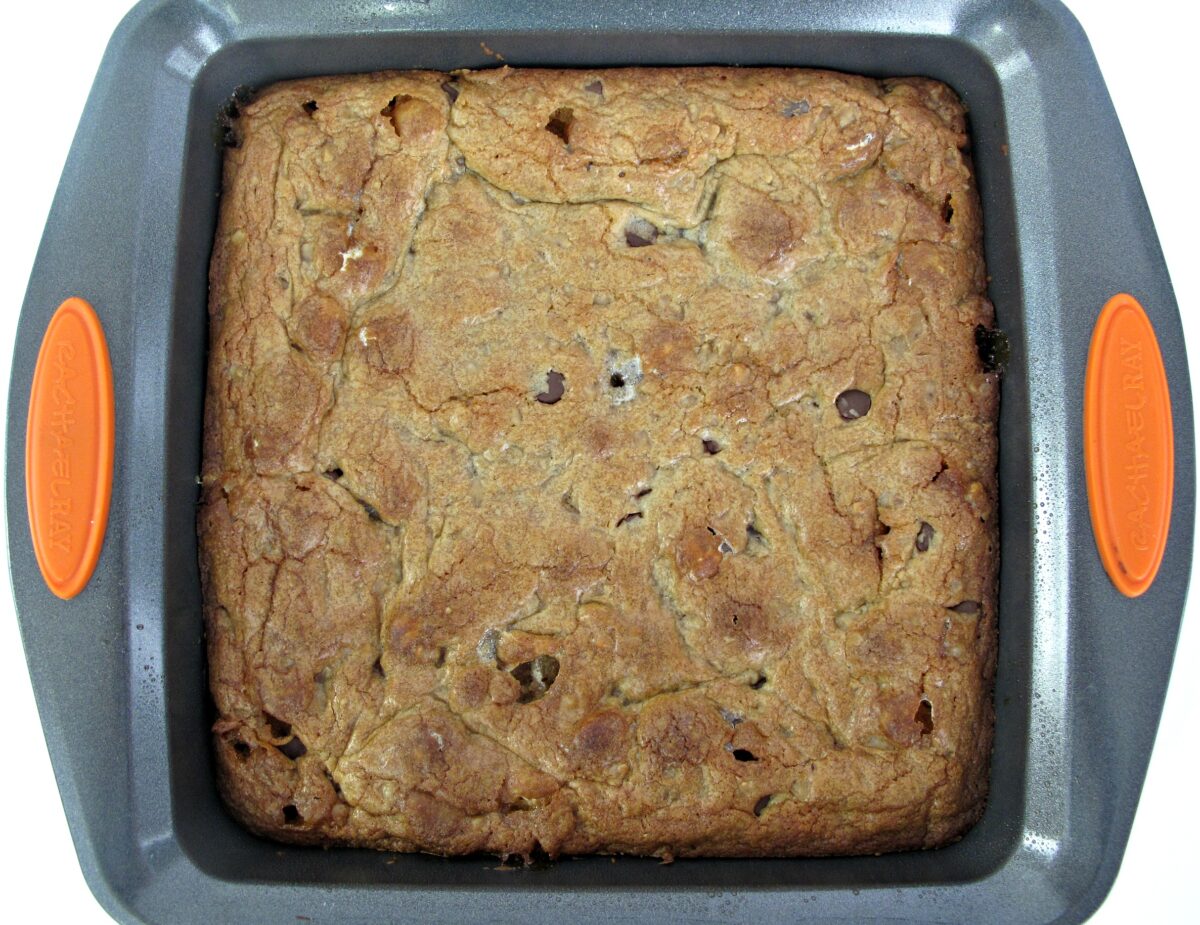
<point x="601" y="461"/>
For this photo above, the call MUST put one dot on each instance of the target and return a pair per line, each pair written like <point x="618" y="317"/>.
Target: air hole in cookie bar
<point x="947" y="209"/>
<point x="279" y="729"/>
<point x="640" y="233"/>
<point x="744" y="754"/>
<point x="970" y="608"/>
<point x="539" y="858"/>
<point x="555" y="387"/>
<point x="569" y="503"/>
<point x="643" y="492"/>
<point x="335" y="473"/>
<point x="730" y="717"/>
<point x="594" y="87"/>
<point x="377" y="668"/>
<point x="294" y="748"/>
<point x="535" y="677"/>
<point x="711" y="447"/>
<point x="633" y="515"/>
<point x="796" y="108"/>
<point x="372" y="513"/>
<point x="309" y="107"/>
<point x="389" y="112"/>
<point x="291" y="815"/>
<point x="761" y="806"/>
<point x="758" y="682"/>
<point x="560" y="123"/>
<point x="241" y="749"/>
<point x="924" y="537"/>
<point x="450" y="89"/>
<point x="924" y="716"/>
<point x="439" y="658"/>
<point x="617" y="381"/>
<point x="993" y="348"/>
<point x="853" y="404"/>
<point x="753" y="534"/>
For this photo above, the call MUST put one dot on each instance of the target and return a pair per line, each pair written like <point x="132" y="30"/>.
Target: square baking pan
<point x="119" y="670"/>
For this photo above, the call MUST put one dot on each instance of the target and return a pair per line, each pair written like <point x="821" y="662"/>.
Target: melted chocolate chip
<point x="595" y="87"/>
<point x="293" y="748"/>
<point x="853" y="404"/>
<point x="967" y="607"/>
<point x="555" y="386"/>
<point x="640" y="233"/>
<point x="924" y="537"/>
<point x="711" y="447"/>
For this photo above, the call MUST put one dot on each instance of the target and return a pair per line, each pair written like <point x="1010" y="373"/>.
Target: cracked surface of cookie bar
<point x="601" y="461"/>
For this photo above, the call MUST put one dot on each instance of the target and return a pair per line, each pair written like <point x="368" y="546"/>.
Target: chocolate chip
<point x="291" y="815"/>
<point x="555" y="386"/>
<point x="967" y="607"/>
<point x="595" y="87"/>
<point x="853" y="404"/>
<point x="560" y="123"/>
<point x="535" y="677"/>
<point x="636" y="515"/>
<point x="293" y="748"/>
<point x="993" y="348"/>
<point x="640" y="233"/>
<point x="924" y="716"/>
<point x="450" y="90"/>
<point x="761" y="806"/>
<point x="711" y="447"/>
<point x="798" y="108"/>
<point x="744" y="754"/>
<point x="924" y="537"/>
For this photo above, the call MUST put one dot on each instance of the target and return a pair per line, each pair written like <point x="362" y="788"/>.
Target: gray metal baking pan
<point x="119" y="671"/>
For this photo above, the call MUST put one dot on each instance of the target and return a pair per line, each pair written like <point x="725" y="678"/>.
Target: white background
<point x="1148" y="55"/>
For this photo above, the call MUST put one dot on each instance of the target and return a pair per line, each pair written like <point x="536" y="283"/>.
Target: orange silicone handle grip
<point x="69" y="448"/>
<point x="1129" y="445"/>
